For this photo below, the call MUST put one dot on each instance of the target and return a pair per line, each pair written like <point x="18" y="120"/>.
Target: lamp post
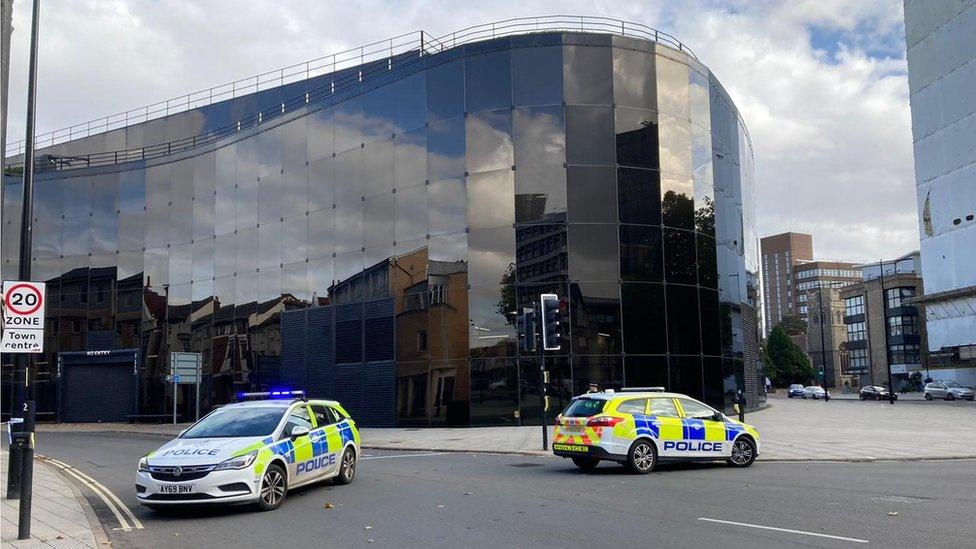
<point x="884" y="326"/>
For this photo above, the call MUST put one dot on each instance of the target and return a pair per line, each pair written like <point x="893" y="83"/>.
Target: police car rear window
<point x="585" y="407"/>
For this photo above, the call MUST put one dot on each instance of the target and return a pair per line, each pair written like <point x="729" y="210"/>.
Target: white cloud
<point x="830" y="125"/>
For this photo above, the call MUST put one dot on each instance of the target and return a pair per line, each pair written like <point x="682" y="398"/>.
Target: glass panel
<point x="673" y="88"/>
<point x="245" y="293"/>
<point x="707" y="262"/>
<point x="378" y="168"/>
<point x="349" y="227"/>
<point x="349" y="177"/>
<point x="639" y="196"/>
<point x="710" y="325"/>
<point x="677" y="201"/>
<point x="47" y="198"/>
<point x="675" y="141"/>
<point x="595" y="317"/>
<point x="293" y="239"/>
<point x="680" y="265"/>
<point x="541" y="253"/>
<point x="447" y="210"/>
<point x="540" y="154"/>
<point x="489" y="141"/>
<point x="641" y="257"/>
<point x="321" y="184"/>
<point x="646" y="371"/>
<point x="105" y="190"/>
<point x="379" y="216"/>
<point x="269" y="152"/>
<point x="269" y="285"/>
<point x="294" y="281"/>
<point x="593" y="252"/>
<point x="294" y="146"/>
<point x="225" y="166"/>
<point x="410" y="105"/>
<point x="320" y="233"/>
<point x="224" y="254"/>
<point x="157" y="186"/>
<point x="378" y="108"/>
<point x="76" y="236"/>
<point x="633" y="79"/>
<point x="180" y="263"/>
<point x="203" y="259"/>
<point x="445" y="91"/>
<point x="246" y="257"/>
<point x="683" y="330"/>
<point x="225" y="210"/>
<point x="410" y="158"/>
<point x="246" y="204"/>
<point x="446" y="149"/>
<point x="181" y="181"/>
<point x="204" y="175"/>
<point x="348" y="124"/>
<point x="269" y="245"/>
<point x="294" y="193"/>
<point x="686" y="375"/>
<point x="537" y="75"/>
<point x="637" y="138"/>
<point x="588" y="75"/>
<point x="269" y="199"/>
<point x="644" y="318"/>
<point x="592" y="194"/>
<point x="589" y="135"/>
<point x="181" y="222"/>
<point x="488" y="81"/>
<point x="76" y="196"/>
<point x="494" y="392"/>
<point x="320" y="279"/>
<point x="411" y="213"/>
<point x="491" y="196"/>
<point x="606" y="371"/>
<point x="320" y="141"/>
<point x="203" y="218"/>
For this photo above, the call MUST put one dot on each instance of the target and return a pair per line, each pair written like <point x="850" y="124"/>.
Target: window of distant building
<point x="856" y="331"/>
<point x="895" y="296"/>
<point x="854" y="305"/>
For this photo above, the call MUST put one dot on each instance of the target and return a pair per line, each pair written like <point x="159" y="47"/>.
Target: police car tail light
<point x="604" y="421"/>
<point x="239" y="462"/>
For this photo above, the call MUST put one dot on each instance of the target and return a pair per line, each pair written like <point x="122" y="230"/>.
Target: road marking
<point x="110" y="499"/>
<point x="405" y="456"/>
<point x="787" y="530"/>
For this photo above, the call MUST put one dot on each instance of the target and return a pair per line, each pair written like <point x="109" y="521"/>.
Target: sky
<point x="821" y="84"/>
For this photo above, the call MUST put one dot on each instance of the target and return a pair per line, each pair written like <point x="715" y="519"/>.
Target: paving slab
<point x="60" y="516"/>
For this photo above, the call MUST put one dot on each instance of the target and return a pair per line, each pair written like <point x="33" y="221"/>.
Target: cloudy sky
<point x="822" y="84"/>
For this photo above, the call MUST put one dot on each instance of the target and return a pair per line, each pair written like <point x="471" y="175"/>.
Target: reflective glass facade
<point x="611" y="171"/>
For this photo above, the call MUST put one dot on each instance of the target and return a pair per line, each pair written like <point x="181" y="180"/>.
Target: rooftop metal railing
<point x="397" y="51"/>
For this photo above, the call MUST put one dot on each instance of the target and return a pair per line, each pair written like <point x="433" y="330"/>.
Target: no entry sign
<point x="23" y="317"/>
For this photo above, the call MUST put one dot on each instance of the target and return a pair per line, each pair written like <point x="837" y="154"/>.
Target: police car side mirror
<point x="298" y="431"/>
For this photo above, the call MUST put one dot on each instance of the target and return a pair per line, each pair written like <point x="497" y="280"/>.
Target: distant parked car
<point x="949" y="390"/>
<point x="795" y="390"/>
<point x="814" y="391"/>
<point x="875" y="392"/>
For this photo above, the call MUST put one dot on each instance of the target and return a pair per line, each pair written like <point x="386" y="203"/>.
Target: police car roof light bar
<point x="271" y="394"/>
<point x="643" y="389"/>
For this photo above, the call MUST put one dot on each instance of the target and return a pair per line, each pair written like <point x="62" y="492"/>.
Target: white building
<point x="941" y="40"/>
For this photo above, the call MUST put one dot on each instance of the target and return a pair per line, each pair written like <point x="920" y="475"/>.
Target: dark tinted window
<point x="323" y="414"/>
<point x="237" y="422"/>
<point x="585" y="407"/>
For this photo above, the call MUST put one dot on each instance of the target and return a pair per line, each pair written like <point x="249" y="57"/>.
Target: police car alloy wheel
<point x="743" y="452"/>
<point x="274" y="488"/>
<point x="928" y="396"/>
<point x="642" y="457"/>
<point x="347" y="468"/>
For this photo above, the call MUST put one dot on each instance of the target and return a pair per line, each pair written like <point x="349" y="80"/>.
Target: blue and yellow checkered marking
<point x="647" y="425"/>
<point x="732" y="430"/>
<point x="693" y="429"/>
<point x="345" y="431"/>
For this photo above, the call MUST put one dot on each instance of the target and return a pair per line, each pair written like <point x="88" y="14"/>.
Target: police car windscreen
<point x="584" y="407"/>
<point x="237" y="422"/>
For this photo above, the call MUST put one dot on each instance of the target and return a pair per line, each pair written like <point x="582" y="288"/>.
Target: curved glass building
<point x="369" y="233"/>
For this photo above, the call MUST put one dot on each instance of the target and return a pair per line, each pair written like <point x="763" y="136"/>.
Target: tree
<point x="793" y="325"/>
<point x="786" y="360"/>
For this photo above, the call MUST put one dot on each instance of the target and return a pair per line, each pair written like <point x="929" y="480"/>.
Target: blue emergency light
<point x="270" y="394"/>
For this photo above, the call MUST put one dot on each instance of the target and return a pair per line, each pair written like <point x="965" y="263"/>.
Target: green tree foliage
<point x="786" y="360"/>
<point x="793" y="325"/>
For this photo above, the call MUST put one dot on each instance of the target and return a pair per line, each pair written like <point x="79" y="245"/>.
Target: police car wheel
<point x="642" y="457"/>
<point x="585" y="463"/>
<point x="347" y="467"/>
<point x="743" y="453"/>
<point x="928" y="396"/>
<point x="274" y="488"/>
<point x="950" y="396"/>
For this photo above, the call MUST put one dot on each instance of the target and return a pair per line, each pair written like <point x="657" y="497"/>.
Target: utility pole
<point x="823" y="345"/>
<point x="21" y="481"/>
<point x="884" y="326"/>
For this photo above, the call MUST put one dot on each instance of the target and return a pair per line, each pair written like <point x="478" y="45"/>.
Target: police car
<point x="641" y="426"/>
<point x="253" y="451"/>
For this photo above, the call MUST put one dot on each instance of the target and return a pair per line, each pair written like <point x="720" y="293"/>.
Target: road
<point x="402" y="499"/>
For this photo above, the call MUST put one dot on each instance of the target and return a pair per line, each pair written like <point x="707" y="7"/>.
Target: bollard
<point x="15" y="459"/>
<point x="25" y="440"/>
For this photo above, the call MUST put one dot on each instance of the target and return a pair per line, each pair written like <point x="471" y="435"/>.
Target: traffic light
<point x="551" y="317"/>
<point x="526" y="330"/>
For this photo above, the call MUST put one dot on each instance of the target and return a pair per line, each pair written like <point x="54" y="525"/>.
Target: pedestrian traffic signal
<point x="551" y="318"/>
<point x="526" y="330"/>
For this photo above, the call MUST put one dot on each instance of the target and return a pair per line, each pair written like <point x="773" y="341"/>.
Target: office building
<point x="781" y="254"/>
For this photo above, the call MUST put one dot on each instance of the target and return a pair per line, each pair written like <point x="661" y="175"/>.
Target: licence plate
<point x="572" y="428"/>
<point x="571" y="448"/>
<point x="175" y="488"/>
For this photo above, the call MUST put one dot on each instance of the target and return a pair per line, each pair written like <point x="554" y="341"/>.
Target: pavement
<point x="60" y="516"/>
<point x="790" y="430"/>
<point x="434" y="499"/>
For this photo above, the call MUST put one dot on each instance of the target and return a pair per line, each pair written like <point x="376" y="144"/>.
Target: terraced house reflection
<point x="370" y="235"/>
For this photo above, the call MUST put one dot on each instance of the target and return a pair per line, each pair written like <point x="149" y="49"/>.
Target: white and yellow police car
<point x="641" y="426"/>
<point x="252" y="451"/>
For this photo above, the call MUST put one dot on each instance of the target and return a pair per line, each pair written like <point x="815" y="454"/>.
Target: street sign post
<point x="185" y="369"/>
<point x="23" y="317"/>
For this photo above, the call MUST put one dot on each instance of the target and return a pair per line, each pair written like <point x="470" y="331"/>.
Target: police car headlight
<point x="143" y="465"/>
<point x="239" y="462"/>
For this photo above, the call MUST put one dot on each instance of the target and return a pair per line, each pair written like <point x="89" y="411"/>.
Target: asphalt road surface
<point x="403" y="499"/>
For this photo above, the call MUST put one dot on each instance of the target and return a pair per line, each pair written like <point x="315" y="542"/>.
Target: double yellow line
<point x="127" y="520"/>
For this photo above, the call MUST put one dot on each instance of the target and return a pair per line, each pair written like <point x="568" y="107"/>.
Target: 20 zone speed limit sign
<point x="23" y="317"/>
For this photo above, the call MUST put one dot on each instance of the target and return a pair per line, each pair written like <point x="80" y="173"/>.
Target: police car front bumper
<point x="229" y="486"/>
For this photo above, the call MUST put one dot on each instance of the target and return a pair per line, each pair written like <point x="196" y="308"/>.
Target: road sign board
<point x="23" y="317"/>
<point x="185" y="367"/>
